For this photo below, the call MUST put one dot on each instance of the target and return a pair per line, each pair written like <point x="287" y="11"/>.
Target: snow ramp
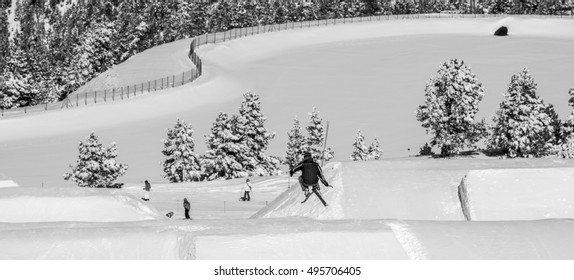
<point x="298" y="238"/>
<point x="94" y="241"/>
<point x="415" y="190"/>
<point x="27" y="204"/>
<point x="518" y="194"/>
<point x="508" y="240"/>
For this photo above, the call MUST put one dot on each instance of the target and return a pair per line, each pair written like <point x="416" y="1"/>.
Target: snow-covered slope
<point x="26" y="205"/>
<point x="367" y="76"/>
<point x="427" y="189"/>
<point x="519" y="194"/>
<point x="101" y="241"/>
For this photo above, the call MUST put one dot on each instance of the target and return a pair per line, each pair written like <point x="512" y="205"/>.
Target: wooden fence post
<point x="95" y="97"/>
<point x="113" y="94"/>
<point x="77" y="100"/>
<point x="86" y="99"/>
<point x="122" y="93"/>
<point x="105" y="95"/>
<point x="182" y="77"/>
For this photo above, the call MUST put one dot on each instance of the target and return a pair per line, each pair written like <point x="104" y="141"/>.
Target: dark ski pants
<point x="187" y="214"/>
<point x="246" y="196"/>
<point x="305" y="187"/>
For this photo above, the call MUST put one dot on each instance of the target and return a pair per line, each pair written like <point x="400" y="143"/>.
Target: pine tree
<point x="375" y="152"/>
<point x="360" y="151"/>
<point x="294" y="145"/>
<point x="97" y="167"/>
<point x="523" y="126"/>
<point x="565" y="149"/>
<point x="316" y="137"/>
<point x="181" y="164"/>
<point x="253" y="134"/>
<point x="225" y="151"/>
<point x="450" y="108"/>
<point x="93" y="55"/>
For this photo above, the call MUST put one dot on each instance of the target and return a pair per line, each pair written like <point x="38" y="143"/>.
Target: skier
<point x="147" y="188"/>
<point x="311" y="173"/>
<point x="187" y="207"/>
<point x="246" y="190"/>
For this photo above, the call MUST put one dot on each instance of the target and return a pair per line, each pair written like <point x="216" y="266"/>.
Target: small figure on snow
<point x="186" y="207"/>
<point x="311" y="174"/>
<point x="146" y="189"/>
<point x="246" y="190"/>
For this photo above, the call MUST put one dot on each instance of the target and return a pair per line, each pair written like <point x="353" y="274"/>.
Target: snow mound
<point x="298" y="238"/>
<point x="24" y="205"/>
<point x="519" y="194"/>
<point x="7" y="184"/>
<point x="377" y="190"/>
<point x="104" y="242"/>
<point x="516" y="240"/>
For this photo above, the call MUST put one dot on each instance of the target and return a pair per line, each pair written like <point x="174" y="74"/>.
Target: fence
<point x="176" y="80"/>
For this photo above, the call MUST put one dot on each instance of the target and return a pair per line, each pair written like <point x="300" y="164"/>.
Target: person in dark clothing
<point x="311" y="174"/>
<point x="146" y="189"/>
<point x="246" y="191"/>
<point x="186" y="207"/>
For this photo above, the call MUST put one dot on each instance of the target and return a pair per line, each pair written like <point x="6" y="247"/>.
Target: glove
<point x="328" y="186"/>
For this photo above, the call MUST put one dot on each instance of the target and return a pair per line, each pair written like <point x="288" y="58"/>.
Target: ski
<point x="320" y="197"/>
<point x="307" y="197"/>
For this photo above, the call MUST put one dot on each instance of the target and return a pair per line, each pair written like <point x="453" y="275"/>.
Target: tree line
<point x="56" y="46"/>
<point x="523" y="125"/>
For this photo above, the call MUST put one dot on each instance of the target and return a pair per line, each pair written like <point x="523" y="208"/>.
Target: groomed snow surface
<point x="396" y="208"/>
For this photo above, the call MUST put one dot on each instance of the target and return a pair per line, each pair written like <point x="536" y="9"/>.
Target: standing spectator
<point x="246" y="190"/>
<point x="146" y="188"/>
<point x="186" y="207"/>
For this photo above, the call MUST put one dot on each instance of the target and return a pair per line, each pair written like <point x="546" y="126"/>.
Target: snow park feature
<point x="398" y="207"/>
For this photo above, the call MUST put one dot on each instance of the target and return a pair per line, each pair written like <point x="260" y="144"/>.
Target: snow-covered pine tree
<point x="375" y="152"/>
<point x="360" y="151"/>
<point x="522" y="124"/>
<point x="225" y="151"/>
<point x="250" y="127"/>
<point x="294" y="145"/>
<point x="565" y="149"/>
<point x="450" y="108"/>
<point x="97" y="166"/>
<point x="316" y="137"/>
<point x="181" y="164"/>
<point x="93" y="55"/>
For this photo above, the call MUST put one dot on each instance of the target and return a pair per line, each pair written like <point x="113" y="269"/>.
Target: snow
<point x="520" y="194"/>
<point x="7" y="184"/>
<point x="395" y="208"/>
<point x="13" y="25"/>
<point x="29" y="205"/>
<point x="261" y="63"/>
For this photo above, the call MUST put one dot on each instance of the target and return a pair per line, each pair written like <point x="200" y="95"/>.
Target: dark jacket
<point x="186" y="204"/>
<point x="311" y="172"/>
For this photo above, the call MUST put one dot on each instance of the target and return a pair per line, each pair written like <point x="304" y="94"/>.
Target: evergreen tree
<point x="294" y="145"/>
<point x="565" y="149"/>
<point x="375" y="152"/>
<point x="254" y="136"/>
<point x="523" y="126"/>
<point x="93" y="55"/>
<point x="450" y="108"/>
<point x="316" y="138"/>
<point x="181" y="164"/>
<point x="360" y="151"/>
<point x="4" y="42"/>
<point x="225" y="151"/>
<point x="97" y="167"/>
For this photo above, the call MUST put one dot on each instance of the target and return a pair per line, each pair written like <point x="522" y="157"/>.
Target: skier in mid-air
<point x="311" y="174"/>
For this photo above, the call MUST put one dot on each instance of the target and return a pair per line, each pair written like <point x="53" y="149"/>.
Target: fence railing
<point x="176" y="80"/>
